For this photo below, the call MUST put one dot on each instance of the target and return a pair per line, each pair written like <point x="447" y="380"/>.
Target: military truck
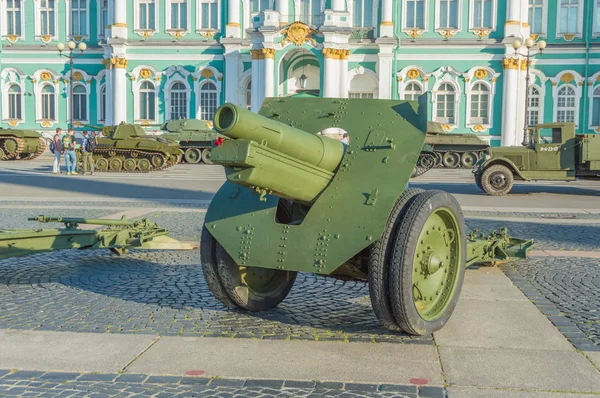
<point x="20" y="144"/>
<point x="553" y="153"/>
<point x="195" y="137"/>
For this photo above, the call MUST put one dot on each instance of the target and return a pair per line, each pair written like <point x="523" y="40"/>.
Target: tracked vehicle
<point x="297" y="201"/>
<point x="126" y="148"/>
<point x="20" y="144"/>
<point x="195" y="137"/>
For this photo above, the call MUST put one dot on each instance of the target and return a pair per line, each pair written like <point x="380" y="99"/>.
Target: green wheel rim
<point x="262" y="282"/>
<point x="144" y="164"/>
<point x="437" y="263"/>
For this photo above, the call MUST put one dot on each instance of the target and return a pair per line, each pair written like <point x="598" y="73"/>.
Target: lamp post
<point x="71" y="46"/>
<point x="529" y="44"/>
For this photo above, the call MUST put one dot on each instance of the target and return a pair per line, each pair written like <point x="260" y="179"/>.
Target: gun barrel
<point x="76" y="220"/>
<point x="239" y="123"/>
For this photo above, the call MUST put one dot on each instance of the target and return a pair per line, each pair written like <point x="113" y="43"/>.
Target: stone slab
<point x="470" y="392"/>
<point x="594" y="357"/>
<point x="489" y="284"/>
<point x="519" y="369"/>
<point x="292" y="360"/>
<point x="69" y="352"/>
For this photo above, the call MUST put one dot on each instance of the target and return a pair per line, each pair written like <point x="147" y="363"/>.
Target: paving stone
<point x="97" y="377"/>
<point x="264" y="383"/>
<point x="59" y="376"/>
<point x="163" y="379"/>
<point x="131" y="378"/>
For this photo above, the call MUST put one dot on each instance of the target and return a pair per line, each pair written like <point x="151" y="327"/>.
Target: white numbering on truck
<point x="549" y="148"/>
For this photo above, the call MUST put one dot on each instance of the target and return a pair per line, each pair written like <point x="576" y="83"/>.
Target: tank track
<point x="129" y="154"/>
<point x="13" y="156"/>
<point x="439" y="163"/>
<point x="425" y="163"/>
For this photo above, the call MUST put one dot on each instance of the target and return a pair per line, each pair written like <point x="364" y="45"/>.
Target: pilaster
<point x="344" y="73"/>
<point x="284" y="12"/>
<point x="384" y="66"/>
<point x="119" y="67"/>
<point x="232" y="73"/>
<point x="119" y="26"/>
<point x="510" y="89"/>
<point x="331" y="79"/>
<point x="386" y="28"/>
<point x="232" y="29"/>
<point x="109" y="92"/>
<point x="262" y="62"/>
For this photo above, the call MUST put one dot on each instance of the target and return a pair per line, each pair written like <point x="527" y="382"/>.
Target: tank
<point x="126" y="148"/>
<point x="195" y="137"/>
<point x="298" y="201"/>
<point x="20" y="144"/>
<point x="454" y="150"/>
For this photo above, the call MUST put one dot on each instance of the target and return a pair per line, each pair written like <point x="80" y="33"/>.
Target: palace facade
<point x="148" y="61"/>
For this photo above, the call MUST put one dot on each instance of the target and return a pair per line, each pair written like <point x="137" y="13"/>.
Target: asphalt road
<point x="191" y="183"/>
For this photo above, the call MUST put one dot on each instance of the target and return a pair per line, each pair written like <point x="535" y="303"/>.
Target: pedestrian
<point x="345" y="139"/>
<point x="69" y="145"/>
<point x="57" y="149"/>
<point x="88" y="145"/>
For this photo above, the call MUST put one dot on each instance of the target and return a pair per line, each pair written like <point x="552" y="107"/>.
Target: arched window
<point x="363" y="13"/>
<point x="179" y="101"/>
<point x="79" y="102"/>
<point x="102" y="111"/>
<point x="257" y="6"/>
<point x="565" y="105"/>
<point x="480" y="102"/>
<point x="412" y="90"/>
<point x="249" y="95"/>
<point x="48" y="103"/>
<point x="147" y="101"/>
<point x="362" y="86"/>
<point x="596" y="107"/>
<point x="14" y="102"/>
<point x="533" y="109"/>
<point x="445" y="104"/>
<point x="208" y="101"/>
<point x="310" y="12"/>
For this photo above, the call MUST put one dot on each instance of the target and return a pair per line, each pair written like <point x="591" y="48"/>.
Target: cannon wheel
<point x="428" y="263"/>
<point x="379" y="259"/>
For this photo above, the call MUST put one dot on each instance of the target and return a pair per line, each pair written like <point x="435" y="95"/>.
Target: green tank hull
<point x="20" y="144"/>
<point x="195" y="137"/>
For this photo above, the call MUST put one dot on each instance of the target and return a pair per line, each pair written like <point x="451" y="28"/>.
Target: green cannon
<point x="119" y="236"/>
<point x="296" y="201"/>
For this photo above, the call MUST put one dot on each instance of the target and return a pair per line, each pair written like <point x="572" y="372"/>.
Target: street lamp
<point x="529" y="44"/>
<point x="70" y="47"/>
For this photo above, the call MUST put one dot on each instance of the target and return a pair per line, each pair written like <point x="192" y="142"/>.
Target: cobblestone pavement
<point x="55" y="384"/>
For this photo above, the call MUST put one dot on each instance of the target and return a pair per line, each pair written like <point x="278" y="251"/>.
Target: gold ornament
<point x="207" y="73"/>
<point x="77" y="76"/>
<point x="145" y="73"/>
<point x="480" y="74"/>
<point x="263" y="53"/>
<point x="569" y="37"/>
<point x="45" y="76"/>
<point x="46" y="123"/>
<point x="534" y="36"/>
<point x="478" y="128"/>
<point x="298" y="33"/>
<point x="481" y="33"/>
<point x="120" y="63"/>
<point x="12" y="122"/>
<point x="510" y="63"/>
<point x="413" y="74"/>
<point x="414" y="33"/>
<point x="567" y="78"/>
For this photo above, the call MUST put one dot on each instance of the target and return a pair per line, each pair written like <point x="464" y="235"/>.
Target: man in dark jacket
<point x="87" y="147"/>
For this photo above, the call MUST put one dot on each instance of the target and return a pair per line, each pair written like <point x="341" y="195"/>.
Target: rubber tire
<point x="401" y="267"/>
<point x="208" y="260"/>
<point x="485" y="183"/>
<point x="379" y="259"/>
<point x="478" y="182"/>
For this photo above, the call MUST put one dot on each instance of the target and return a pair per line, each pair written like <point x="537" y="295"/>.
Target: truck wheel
<point x="497" y="180"/>
<point x="379" y="260"/>
<point x="210" y="269"/>
<point x="428" y="263"/>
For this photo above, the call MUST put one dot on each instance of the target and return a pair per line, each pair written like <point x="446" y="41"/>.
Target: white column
<point x="338" y="5"/>
<point x="510" y="88"/>
<point x="520" y="104"/>
<point x="109" y="93"/>
<point x="344" y="74"/>
<point x="512" y="26"/>
<point x="119" y="90"/>
<point x="384" y="74"/>
<point x="331" y="73"/>
<point x="119" y="26"/>
<point x="269" y="76"/>
<point x="386" y="28"/>
<point x="232" y="73"/>
<point x="258" y="78"/>
<point x="284" y="12"/>
<point x="232" y="29"/>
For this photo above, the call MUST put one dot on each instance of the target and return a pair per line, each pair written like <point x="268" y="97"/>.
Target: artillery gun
<point x="20" y="144"/>
<point x="297" y="201"/>
<point x="195" y="137"/>
<point x="119" y="236"/>
<point x="126" y="148"/>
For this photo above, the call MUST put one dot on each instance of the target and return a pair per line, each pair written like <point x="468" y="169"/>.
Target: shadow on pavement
<point x="517" y="190"/>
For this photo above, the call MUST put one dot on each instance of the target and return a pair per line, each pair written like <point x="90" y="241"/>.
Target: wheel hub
<point x="498" y="180"/>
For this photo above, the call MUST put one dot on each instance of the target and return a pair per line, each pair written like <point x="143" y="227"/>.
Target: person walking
<point x="88" y="145"/>
<point x="57" y="149"/>
<point x="69" y="145"/>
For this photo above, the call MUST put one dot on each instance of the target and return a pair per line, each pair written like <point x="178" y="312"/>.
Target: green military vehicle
<point x="553" y="153"/>
<point x="126" y="148"/>
<point x="195" y="138"/>
<point x="20" y="144"/>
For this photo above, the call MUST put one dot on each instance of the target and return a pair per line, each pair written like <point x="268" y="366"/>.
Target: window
<point x="78" y="17"/>
<point x="482" y="13"/>
<point x="249" y="95"/>
<point x="47" y="27"/>
<point x="415" y="14"/>
<point x="209" y="14"/>
<point x="102" y="112"/>
<point x="104" y="17"/>
<point x="13" y="17"/>
<point x="147" y="101"/>
<point x="536" y="10"/>
<point x="257" y="6"/>
<point x="208" y="101"/>
<point x="310" y="12"/>
<point x="14" y="102"/>
<point x="79" y="102"/>
<point x="480" y="101"/>
<point x="596" y="107"/>
<point x="147" y="15"/>
<point x="360" y="95"/>
<point x="569" y="16"/>
<point x="412" y="91"/>
<point x="565" y="105"/>
<point x="533" y="109"/>
<point x="48" y="103"/>
<point x="363" y="13"/>
<point x="179" y="14"/>
<point x="178" y="101"/>
<point x="446" y="101"/>
<point x="448" y="14"/>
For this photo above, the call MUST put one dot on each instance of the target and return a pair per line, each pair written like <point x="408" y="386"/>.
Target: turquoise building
<point x="148" y="61"/>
